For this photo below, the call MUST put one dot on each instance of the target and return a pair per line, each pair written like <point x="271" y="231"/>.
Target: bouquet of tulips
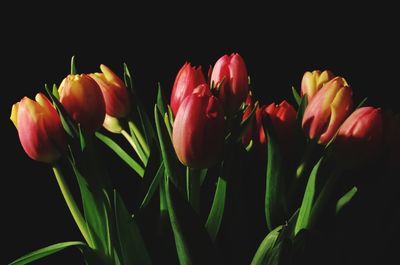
<point x="223" y="178"/>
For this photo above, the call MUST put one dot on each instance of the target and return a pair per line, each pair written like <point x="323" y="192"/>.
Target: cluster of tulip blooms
<point x="213" y="140"/>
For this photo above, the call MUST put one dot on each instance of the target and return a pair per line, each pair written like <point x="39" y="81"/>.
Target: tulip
<point x="39" y="128"/>
<point x="360" y="136"/>
<point x="115" y="93"/>
<point x="328" y="109"/>
<point x="230" y="73"/>
<point x="187" y="79"/>
<point x="82" y="98"/>
<point x="198" y="132"/>
<point x="313" y="81"/>
<point x="283" y="120"/>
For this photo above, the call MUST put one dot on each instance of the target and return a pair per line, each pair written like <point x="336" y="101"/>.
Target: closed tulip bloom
<point x="115" y="93"/>
<point x="360" y="136"/>
<point x="198" y="132"/>
<point x="232" y="71"/>
<point x="313" y="81"/>
<point x="186" y="81"/>
<point x="82" y="98"/>
<point x="283" y="119"/>
<point x="39" y="128"/>
<point x="327" y="110"/>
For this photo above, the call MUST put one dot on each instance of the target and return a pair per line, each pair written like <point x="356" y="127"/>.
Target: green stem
<point x="135" y="147"/>
<point x="193" y="188"/>
<point x="69" y="199"/>
<point x="139" y="136"/>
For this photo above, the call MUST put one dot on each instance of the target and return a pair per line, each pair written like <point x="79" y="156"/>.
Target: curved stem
<point x="134" y="145"/>
<point x="69" y="199"/>
<point x="139" y="136"/>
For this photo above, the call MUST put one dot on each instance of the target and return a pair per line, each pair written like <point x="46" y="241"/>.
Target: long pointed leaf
<point x="265" y="247"/>
<point x="193" y="244"/>
<point x="308" y="200"/>
<point x="121" y="153"/>
<point x="296" y="96"/>
<point x="217" y="209"/>
<point x="274" y="190"/>
<point x="46" y="251"/>
<point x="132" y="248"/>
<point x="345" y="199"/>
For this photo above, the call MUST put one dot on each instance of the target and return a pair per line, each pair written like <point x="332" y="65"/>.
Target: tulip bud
<point x="231" y="71"/>
<point x="198" y="132"/>
<point x="112" y="124"/>
<point x="39" y="128"/>
<point x="313" y="81"/>
<point x="115" y="93"/>
<point x="82" y="99"/>
<point x="283" y="119"/>
<point x="360" y="136"/>
<point x="328" y="109"/>
<point x="187" y="79"/>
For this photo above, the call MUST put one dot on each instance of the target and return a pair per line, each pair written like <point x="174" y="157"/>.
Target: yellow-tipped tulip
<point x="39" y="128"/>
<point x="327" y="110"/>
<point x="115" y="93"/>
<point x="313" y="81"/>
<point x="82" y="99"/>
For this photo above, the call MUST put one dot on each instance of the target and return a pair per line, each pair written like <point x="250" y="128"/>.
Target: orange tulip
<point x="115" y="93"/>
<point x="82" y="98"/>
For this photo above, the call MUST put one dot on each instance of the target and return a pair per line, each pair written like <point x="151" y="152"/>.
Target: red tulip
<point x="115" y="93"/>
<point x="232" y="71"/>
<point x="39" y="128"/>
<point x="82" y="98"/>
<point x="313" y="81"/>
<point x="327" y="110"/>
<point x="360" y="136"/>
<point x="283" y="119"/>
<point x="198" y="132"/>
<point x="186" y="81"/>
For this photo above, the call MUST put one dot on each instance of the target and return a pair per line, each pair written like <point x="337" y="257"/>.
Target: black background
<point x="278" y="44"/>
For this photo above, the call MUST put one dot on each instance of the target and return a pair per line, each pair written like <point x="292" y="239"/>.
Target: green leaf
<point x="132" y="249"/>
<point x="153" y="186"/>
<point x="301" y="109"/>
<point x="193" y="244"/>
<point x="265" y="247"/>
<point x="162" y="106"/>
<point x="247" y="122"/>
<point x="82" y="138"/>
<point x="96" y="208"/>
<point x="203" y="175"/>
<point x="44" y="252"/>
<point x="274" y="190"/>
<point x="74" y="71"/>
<point x="345" y="199"/>
<point x="217" y="209"/>
<point x="67" y="123"/>
<point x="296" y="96"/>
<point x="128" y="78"/>
<point x="167" y="151"/>
<point x="121" y="153"/>
<point x="362" y="103"/>
<point x="55" y="92"/>
<point x="308" y="200"/>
